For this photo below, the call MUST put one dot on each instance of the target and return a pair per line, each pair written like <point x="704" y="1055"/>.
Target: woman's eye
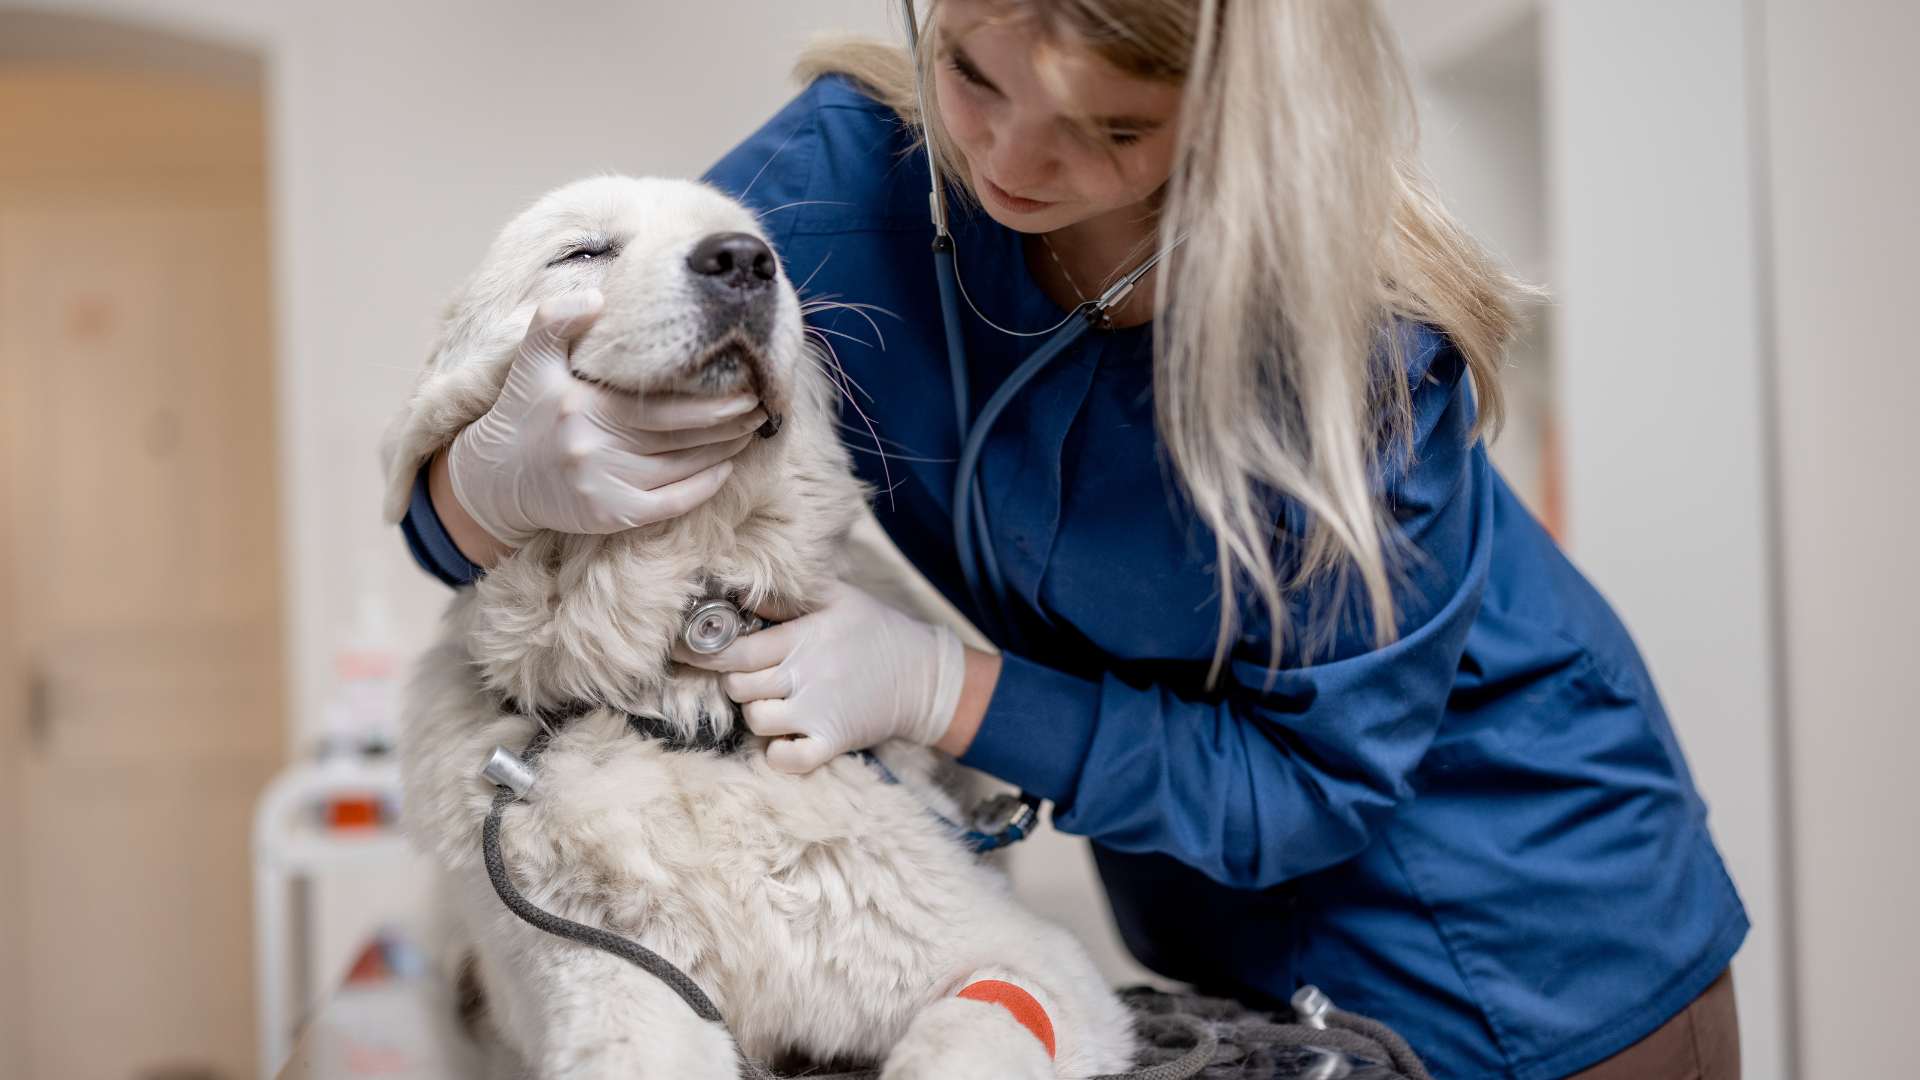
<point x="968" y="74"/>
<point x="1123" y="138"/>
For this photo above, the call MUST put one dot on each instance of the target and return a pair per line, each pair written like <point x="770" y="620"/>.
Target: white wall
<point x="1843" y="158"/>
<point x="1659" y="307"/>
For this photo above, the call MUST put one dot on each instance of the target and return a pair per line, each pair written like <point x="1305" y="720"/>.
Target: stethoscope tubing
<point x="968" y="508"/>
<point x="972" y="541"/>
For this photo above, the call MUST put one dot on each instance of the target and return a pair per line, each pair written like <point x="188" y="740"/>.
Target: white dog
<point x="829" y="916"/>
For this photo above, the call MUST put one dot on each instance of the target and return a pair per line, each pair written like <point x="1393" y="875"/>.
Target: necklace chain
<point x="1064" y="272"/>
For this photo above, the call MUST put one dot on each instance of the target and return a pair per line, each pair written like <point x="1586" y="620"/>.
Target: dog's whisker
<point x="880" y="344"/>
<point x="898" y="445"/>
<point x="886" y="470"/>
<point x="828" y="368"/>
<point x="895" y="455"/>
<point x="821" y="355"/>
<point x="800" y="202"/>
<point x="802" y="287"/>
<point x="777" y="151"/>
<point x="833" y="300"/>
<point x="831" y="367"/>
<point x="848" y="378"/>
<point x="857" y="309"/>
<point x="840" y="334"/>
<point x="840" y="369"/>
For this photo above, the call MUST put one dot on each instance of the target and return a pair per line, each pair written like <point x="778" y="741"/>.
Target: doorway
<point x="141" y="670"/>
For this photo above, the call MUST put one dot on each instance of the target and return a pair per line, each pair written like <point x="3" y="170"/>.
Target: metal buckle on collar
<point x="1001" y="820"/>
<point x="997" y="821"/>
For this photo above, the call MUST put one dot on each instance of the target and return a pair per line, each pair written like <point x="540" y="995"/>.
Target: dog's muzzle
<point x="737" y="275"/>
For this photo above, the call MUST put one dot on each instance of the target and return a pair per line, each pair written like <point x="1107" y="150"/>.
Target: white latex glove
<point x="848" y="675"/>
<point x="556" y="453"/>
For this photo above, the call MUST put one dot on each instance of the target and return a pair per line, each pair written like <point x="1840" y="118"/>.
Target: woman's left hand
<point x="851" y="673"/>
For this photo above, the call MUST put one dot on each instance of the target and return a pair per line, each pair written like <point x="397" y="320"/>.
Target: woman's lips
<point x="1010" y="200"/>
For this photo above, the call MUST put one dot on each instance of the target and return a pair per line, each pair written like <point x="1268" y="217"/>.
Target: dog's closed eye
<point x="591" y="251"/>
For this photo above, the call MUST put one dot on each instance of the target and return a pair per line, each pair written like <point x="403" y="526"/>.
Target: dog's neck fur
<point x="571" y="619"/>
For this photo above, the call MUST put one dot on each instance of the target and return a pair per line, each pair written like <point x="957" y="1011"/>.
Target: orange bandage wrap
<point x="1016" y="1001"/>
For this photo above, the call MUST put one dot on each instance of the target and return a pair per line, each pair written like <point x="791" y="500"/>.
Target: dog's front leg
<point x="993" y="1029"/>
<point x="594" y="1015"/>
<point x="1049" y="1015"/>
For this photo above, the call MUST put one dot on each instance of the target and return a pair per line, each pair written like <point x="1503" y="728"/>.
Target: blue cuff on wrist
<point x="1036" y="730"/>
<point x="427" y="539"/>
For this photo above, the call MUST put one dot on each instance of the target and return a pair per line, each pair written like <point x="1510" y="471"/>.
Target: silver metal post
<point x="936" y="199"/>
<point x="505" y="769"/>
<point x="1310" y="1007"/>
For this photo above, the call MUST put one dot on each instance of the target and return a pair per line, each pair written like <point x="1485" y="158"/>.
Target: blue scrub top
<point x="1484" y="833"/>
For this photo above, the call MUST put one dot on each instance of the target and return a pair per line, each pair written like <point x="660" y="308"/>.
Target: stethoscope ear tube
<point x="969" y="511"/>
<point x="936" y="202"/>
<point x="971" y="540"/>
<point x="947" y="276"/>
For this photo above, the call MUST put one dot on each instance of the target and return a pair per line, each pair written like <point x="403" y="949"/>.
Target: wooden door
<point x="142" y="622"/>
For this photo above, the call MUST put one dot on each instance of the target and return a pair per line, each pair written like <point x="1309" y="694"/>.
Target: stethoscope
<point x="972" y="541"/>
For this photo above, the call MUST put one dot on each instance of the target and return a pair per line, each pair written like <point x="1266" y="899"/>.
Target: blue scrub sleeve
<point x="1269" y="778"/>
<point x="428" y="542"/>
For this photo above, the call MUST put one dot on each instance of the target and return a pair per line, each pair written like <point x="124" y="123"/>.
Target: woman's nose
<point x="1021" y="159"/>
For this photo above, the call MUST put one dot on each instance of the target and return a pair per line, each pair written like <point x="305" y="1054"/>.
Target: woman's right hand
<point x="556" y="453"/>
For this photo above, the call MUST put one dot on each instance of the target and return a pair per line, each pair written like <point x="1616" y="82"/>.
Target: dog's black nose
<point x="736" y="259"/>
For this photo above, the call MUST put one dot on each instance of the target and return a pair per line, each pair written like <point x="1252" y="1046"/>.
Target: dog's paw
<point x="958" y="1039"/>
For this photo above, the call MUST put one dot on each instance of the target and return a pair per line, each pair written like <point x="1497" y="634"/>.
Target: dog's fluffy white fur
<point x="829" y="916"/>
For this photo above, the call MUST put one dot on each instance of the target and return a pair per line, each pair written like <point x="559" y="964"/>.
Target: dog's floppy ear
<point x="461" y="382"/>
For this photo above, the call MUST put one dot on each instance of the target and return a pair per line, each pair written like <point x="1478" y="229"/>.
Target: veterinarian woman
<point x="1416" y="760"/>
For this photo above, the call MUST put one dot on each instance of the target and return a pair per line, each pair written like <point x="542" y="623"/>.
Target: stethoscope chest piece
<point x="713" y="625"/>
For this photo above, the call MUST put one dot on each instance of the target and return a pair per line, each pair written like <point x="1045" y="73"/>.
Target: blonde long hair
<point x="1312" y="233"/>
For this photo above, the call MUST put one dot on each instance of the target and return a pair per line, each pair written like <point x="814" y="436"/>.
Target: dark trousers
<point x="1702" y="1042"/>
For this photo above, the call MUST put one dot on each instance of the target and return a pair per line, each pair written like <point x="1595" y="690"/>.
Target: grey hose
<point x="632" y="951"/>
<point x="1243" y="1044"/>
<point x="1205" y="1045"/>
<point x="606" y="941"/>
<point x="1398" y="1053"/>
